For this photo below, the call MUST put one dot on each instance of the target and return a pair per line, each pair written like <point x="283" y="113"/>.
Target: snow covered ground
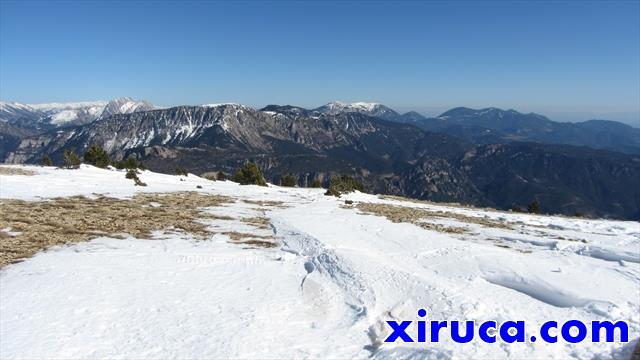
<point x="325" y="291"/>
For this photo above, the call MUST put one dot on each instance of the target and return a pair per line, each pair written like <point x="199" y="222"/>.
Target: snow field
<point x="325" y="291"/>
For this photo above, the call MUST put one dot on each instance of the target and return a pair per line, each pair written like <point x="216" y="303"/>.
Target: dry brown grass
<point x="416" y="216"/>
<point x="258" y="221"/>
<point x="237" y="236"/>
<point x="4" y="170"/>
<point x="428" y="202"/>
<point x="42" y="224"/>
<point x="258" y="243"/>
<point x="266" y="203"/>
<point x="251" y="239"/>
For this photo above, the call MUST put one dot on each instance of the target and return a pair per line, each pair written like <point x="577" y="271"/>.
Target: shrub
<point x="315" y="184"/>
<point x="181" y="171"/>
<point x="96" y="156"/>
<point x="46" y="161"/>
<point x="221" y="176"/>
<point x="133" y="175"/>
<point x="129" y="163"/>
<point x="288" y="181"/>
<point x="343" y="184"/>
<point x="249" y="174"/>
<point x="534" y="207"/>
<point x="71" y="160"/>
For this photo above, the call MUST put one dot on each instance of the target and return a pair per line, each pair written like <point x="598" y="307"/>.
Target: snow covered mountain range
<point x="522" y="157"/>
<point x="52" y="115"/>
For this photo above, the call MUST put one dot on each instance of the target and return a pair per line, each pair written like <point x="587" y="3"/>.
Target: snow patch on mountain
<point x="222" y="104"/>
<point x="368" y="108"/>
<point x="125" y="105"/>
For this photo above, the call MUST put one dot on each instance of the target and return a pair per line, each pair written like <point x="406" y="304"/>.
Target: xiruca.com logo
<point x="572" y="331"/>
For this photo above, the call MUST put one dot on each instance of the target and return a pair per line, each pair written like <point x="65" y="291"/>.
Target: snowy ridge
<point x="367" y="108"/>
<point x="14" y="107"/>
<point x="336" y="275"/>
<point x="71" y="113"/>
<point x="68" y="105"/>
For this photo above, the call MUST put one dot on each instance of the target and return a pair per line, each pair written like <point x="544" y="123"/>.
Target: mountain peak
<point x="125" y="105"/>
<point x="367" y="108"/>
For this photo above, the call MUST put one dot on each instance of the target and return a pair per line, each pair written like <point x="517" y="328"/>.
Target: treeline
<point x="95" y="156"/>
<point x="248" y="174"/>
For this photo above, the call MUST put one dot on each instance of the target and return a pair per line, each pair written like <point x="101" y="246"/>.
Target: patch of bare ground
<point x="5" y="170"/>
<point x="416" y="201"/>
<point x="266" y="203"/>
<point x="258" y="221"/>
<point x="251" y="239"/>
<point x="417" y="217"/>
<point x="37" y="225"/>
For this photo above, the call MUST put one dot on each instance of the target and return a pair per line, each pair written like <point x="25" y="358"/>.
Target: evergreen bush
<point x="343" y="184"/>
<point x="71" y="160"/>
<point x="133" y="175"/>
<point x="288" y="181"/>
<point x="534" y="207"/>
<point x="46" y="161"/>
<point x="249" y="174"/>
<point x="96" y="156"/>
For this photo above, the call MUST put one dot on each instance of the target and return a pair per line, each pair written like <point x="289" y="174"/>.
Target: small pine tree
<point x="221" y="176"/>
<point x="96" y="156"/>
<point x="133" y="175"/>
<point x="71" y="160"/>
<point x="180" y="171"/>
<point x="534" y="207"/>
<point x="315" y="184"/>
<point x="249" y="174"/>
<point x="129" y="163"/>
<point x="339" y="185"/>
<point x="46" y="161"/>
<point x="209" y="176"/>
<point x="288" y="181"/>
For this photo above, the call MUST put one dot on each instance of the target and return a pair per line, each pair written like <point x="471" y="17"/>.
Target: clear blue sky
<point x="570" y="57"/>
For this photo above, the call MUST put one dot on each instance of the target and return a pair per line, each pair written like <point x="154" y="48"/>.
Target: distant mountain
<point x="366" y="108"/>
<point x="493" y="125"/>
<point x="56" y="115"/>
<point x="410" y="117"/>
<point x="125" y="105"/>
<point x="21" y="115"/>
<point x="69" y="114"/>
<point x="11" y="136"/>
<point x="389" y="157"/>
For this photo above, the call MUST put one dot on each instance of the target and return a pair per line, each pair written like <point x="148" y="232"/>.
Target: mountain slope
<point x="389" y="157"/>
<point x="21" y="115"/>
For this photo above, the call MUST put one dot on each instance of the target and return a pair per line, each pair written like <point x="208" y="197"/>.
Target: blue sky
<point x="565" y="59"/>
